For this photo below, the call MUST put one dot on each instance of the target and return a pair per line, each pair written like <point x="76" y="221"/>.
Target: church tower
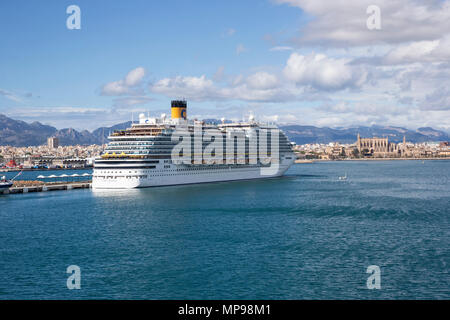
<point x="403" y="151"/>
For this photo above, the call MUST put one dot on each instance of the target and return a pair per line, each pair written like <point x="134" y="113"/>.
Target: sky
<point x="310" y="62"/>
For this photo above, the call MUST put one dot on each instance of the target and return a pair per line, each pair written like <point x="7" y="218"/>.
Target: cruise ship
<point x="158" y="151"/>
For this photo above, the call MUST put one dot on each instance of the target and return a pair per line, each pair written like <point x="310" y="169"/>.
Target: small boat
<point x="343" y="177"/>
<point x="5" y="183"/>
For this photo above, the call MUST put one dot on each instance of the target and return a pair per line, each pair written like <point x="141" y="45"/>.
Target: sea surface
<point x="306" y="235"/>
<point x="34" y="174"/>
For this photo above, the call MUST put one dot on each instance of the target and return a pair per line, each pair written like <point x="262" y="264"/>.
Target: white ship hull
<point x="117" y="178"/>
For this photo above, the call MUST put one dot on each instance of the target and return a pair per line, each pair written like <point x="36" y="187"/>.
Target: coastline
<point x="298" y="161"/>
<point x="367" y="159"/>
<point x="41" y="169"/>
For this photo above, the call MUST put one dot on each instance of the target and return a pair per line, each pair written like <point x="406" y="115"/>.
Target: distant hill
<point x="19" y="133"/>
<point x="101" y="134"/>
<point x="310" y="134"/>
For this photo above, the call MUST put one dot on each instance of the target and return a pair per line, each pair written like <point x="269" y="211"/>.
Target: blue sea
<point x="306" y="235"/>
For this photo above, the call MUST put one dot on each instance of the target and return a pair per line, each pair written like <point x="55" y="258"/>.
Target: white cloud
<point x="343" y="23"/>
<point x="413" y="52"/>
<point x="439" y="99"/>
<point x="131" y="101"/>
<point x="230" y="32"/>
<point x="262" y="80"/>
<point x="245" y="92"/>
<point x="194" y="88"/>
<point x="219" y="75"/>
<point x="237" y="80"/>
<point x="10" y="96"/>
<point x="130" y="90"/>
<point x="115" y="88"/>
<point x="281" y="48"/>
<point x="419" y="51"/>
<point x="240" y="49"/>
<point x="422" y="85"/>
<point x="302" y="78"/>
<point x="322" y="72"/>
<point x="406" y="117"/>
<point x="134" y="77"/>
<point x="126" y="85"/>
<point x="364" y="108"/>
<point x="260" y="86"/>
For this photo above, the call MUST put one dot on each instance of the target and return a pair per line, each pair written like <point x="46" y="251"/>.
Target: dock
<point x="304" y="161"/>
<point x="48" y="187"/>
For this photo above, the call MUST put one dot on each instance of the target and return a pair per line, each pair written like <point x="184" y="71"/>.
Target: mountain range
<point x="19" y="133"/>
<point x="310" y="134"/>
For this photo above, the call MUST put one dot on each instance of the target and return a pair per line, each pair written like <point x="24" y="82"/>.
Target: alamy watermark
<point x="233" y="147"/>
<point x="374" y="20"/>
<point x="74" y="280"/>
<point x="74" y="20"/>
<point x="374" y="280"/>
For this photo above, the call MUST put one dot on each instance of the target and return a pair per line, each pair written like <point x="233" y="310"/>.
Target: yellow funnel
<point x="179" y="109"/>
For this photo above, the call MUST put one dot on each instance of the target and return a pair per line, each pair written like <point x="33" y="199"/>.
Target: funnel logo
<point x="183" y="114"/>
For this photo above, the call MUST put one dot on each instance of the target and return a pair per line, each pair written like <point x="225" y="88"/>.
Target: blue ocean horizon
<point x="306" y="235"/>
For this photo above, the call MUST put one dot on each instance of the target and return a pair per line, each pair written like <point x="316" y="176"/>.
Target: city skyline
<point x="292" y="61"/>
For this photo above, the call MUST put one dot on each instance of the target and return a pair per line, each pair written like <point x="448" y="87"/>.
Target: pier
<point x="48" y="187"/>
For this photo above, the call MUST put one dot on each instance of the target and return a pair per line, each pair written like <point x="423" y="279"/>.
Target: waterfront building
<point x="69" y="163"/>
<point x="335" y="151"/>
<point x="53" y="142"/>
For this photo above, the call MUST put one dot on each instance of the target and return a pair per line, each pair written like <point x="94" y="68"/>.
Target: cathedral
<point x="380" y="147"/>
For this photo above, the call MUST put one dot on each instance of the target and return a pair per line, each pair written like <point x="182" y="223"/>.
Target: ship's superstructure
<point x="160" y="151"/>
